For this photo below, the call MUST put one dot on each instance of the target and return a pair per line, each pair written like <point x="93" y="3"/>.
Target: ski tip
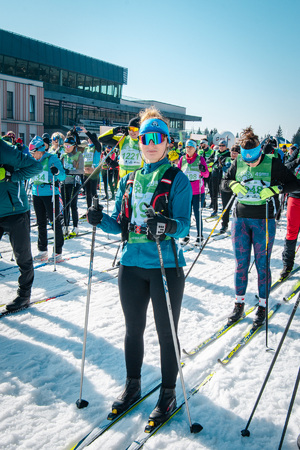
<point x="223" y="361"/>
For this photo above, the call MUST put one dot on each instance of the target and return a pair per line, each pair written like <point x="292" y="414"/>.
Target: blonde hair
<point x="152" y="113"/>
<point x="60" y="137"/>
<point x="248" y="139"/>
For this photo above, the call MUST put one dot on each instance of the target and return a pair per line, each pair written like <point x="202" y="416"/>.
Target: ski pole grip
<point x="96" y="202"/>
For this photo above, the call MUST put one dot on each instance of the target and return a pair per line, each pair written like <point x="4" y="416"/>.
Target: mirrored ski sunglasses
<point x="156" y="138"/>
<point x="133" y="129"/>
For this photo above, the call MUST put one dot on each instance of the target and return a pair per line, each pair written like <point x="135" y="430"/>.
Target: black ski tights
<point x="137" y="286"/>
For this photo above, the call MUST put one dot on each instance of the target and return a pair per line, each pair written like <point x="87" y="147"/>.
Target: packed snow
<point x="41" y="349"/>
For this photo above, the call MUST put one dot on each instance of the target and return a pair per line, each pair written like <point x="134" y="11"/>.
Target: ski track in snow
<point x="41" y="350"/>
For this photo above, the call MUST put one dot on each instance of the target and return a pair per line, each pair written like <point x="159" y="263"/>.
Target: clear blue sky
<point x="235" y="63"/>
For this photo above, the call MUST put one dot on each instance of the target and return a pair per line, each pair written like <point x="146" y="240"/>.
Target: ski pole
<point x="290" y="409"/>
<point x="80" y="403"/>
<point x="251" y="265"/>
<point x="54" y="221"/>
<point x="267" y="270"/>
<point x="200" y="212"/>
<point x="246" y="432"/>
<point x="212" y="231"/>
<point x="97" y="168"/>
<point x="195" y="427"/>
<point x="115" y="258"/>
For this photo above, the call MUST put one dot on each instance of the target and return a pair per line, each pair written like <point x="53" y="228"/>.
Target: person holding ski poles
<point x="42" y="198"/>
<point x="195" y="168"/>
<point x="218" y="158"/>
<point x="255" y="179"/>
<point x="73" y="164"/>
<point x="169" y="191"/>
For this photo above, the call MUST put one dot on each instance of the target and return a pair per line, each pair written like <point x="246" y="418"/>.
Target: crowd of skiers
<point x="155" y="185"/>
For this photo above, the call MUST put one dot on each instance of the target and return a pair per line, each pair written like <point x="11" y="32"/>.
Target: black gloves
<point x="54" y="170"/>
<point x="94" y="216"/>
<point x="112" y="163"/>
<point x="160" y="224"/>
<point x="202" y="168"/>
<point x="122" y="130"/>
<point x="67" y="171"/>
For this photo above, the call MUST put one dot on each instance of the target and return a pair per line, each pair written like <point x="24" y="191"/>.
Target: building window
<point x="54" y="75"/>
<point x="21" y="68"/>
<point x="10" y="105"/>
<point x="32" y="107"/>
<point x="9" y="65"/>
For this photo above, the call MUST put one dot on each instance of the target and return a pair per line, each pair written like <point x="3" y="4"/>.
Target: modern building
<point x="42" y="84"/>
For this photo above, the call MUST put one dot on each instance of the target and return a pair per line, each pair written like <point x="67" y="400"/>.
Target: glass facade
<point x="176" y="124"/>
<point x="89" y="86"/>
<point x="70" y="114"/>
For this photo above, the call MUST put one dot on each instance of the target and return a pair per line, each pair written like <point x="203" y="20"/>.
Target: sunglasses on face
<point x="135" y="129"/>
<point x="156" y="138"/>
<point x="68" y="145"/>
<point x="222" y="145"/>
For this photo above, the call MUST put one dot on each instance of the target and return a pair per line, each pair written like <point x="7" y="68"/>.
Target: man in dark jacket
<point x="219" y="160"/>
<point x="293" y="222"/>
<point x="15" y="167"/>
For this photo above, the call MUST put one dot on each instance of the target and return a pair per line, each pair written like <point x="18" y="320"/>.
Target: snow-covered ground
<point x="41" y="350"/>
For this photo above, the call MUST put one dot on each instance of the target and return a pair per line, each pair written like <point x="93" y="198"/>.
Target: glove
<point x="269" y="192"/>
<point x="94" y="216"/>
<point x="5" y="175"/>
<point x="2" y="173"/>
<point x="159" y="224"/>
<point x="54" y="170"/>
<point x="202" y="168"/>
<point x="237" y="188"/>
<point x="67" y="171"/>
<point x="122" y="130"/>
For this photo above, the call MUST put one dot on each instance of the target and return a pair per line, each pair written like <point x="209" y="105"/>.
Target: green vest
<point x="257" y="174"/>
<point x="43" y="177"/>
<point x="144" y="187"/>
<point x="69" y="159"/>
<point x="191" y="170"/>
<point x="130" y="155"/>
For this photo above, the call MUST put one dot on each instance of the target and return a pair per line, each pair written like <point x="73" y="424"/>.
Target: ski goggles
<point x="135" y="129"/>
<point x="36" y="149"/>
<point x="156" y="138"/>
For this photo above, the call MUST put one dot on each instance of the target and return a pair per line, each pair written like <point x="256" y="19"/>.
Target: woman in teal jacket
<point x="15" y="167"/>
<point x="42" y="191"/>
<point x="169" y="191"/>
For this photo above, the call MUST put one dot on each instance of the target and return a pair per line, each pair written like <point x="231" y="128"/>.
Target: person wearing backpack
<point x="169" y="192"/>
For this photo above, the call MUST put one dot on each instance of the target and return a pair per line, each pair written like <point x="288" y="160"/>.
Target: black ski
<point x="108" y="423"/>
<point x="33" y="302"/>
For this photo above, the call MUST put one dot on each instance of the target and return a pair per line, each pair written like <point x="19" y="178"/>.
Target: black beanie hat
<point x="135" y="122"/>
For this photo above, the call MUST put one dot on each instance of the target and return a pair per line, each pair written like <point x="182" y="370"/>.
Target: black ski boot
<point x="260" y="316"/>
<point x="130" y="395"/>
<point x="163" y="409"/>
<point x="286" y="272"/>
<point x="18" y="303"/>
<point x="237" y="313"/>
